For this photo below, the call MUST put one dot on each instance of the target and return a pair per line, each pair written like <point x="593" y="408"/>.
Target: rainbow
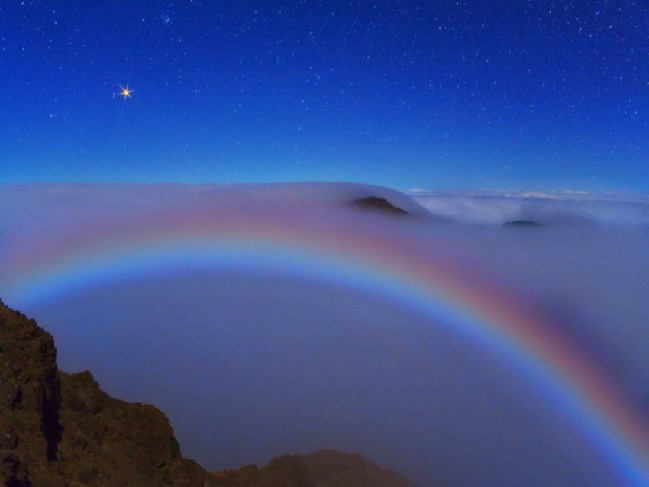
<point x="370" y="254"/>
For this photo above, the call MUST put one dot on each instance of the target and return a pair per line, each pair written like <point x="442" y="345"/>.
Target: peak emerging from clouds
<point x="485" y="208"/>
<point x="25" y="202"/>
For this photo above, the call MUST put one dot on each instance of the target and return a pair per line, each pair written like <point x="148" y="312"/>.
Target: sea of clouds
<point x="252" y="363"/>
<point x="561" y="208"/>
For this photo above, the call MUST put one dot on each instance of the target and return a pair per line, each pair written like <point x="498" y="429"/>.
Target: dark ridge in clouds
<point x="374" y="203"/>
<point x="250" y="363"/>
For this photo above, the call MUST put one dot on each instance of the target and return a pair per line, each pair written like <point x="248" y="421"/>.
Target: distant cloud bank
<point x="548" y="208"/>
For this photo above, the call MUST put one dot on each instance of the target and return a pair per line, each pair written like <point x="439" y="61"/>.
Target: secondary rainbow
<point x="359" y="252"/>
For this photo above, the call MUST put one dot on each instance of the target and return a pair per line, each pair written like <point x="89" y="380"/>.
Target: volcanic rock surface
<point x="61" y="430"/>
<point x="376" y="203"/>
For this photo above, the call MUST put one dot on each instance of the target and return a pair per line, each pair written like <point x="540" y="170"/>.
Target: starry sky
<point x="441" y="95"/>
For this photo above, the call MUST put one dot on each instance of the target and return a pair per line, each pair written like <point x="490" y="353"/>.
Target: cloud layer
<point x="545" y="208"/>
<point x="250" y="363"/>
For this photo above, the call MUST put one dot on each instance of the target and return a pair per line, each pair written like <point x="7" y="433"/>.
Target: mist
<point x="253" y="362"/>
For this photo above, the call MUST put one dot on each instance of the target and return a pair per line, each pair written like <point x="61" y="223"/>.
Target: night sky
<point x="515" y="95"/>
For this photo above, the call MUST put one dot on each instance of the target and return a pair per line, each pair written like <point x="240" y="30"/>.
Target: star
<point x="126" y="93"/>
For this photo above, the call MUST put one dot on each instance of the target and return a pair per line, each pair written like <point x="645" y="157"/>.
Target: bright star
<point x="126" y="93"/>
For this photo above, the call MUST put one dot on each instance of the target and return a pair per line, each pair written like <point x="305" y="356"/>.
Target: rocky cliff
<point x="59" y="429"/>
<point x="30" y="400"/>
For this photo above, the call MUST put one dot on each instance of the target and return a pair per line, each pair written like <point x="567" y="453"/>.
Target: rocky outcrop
<point x="30" y="430"/>
<point x="59" y="429"/>
<point x="111" y="442"/>
<point x="62" y="430"/>
<point x="327" y="468"/>
<point x="374" y="203"/>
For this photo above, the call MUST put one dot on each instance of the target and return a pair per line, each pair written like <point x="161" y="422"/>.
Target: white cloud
<point x="564" y="208"/>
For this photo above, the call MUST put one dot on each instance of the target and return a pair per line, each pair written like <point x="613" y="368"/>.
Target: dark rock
<point x="12" y="472"/>
<point x="111" y="441"/>
<point x="327" y="468"/>
<point x="374" y="203"/>
<point x="29" y="397"/>
<point x="62" y="430"/>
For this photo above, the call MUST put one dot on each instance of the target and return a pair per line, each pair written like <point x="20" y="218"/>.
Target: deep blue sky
<point x="441" y="95"/>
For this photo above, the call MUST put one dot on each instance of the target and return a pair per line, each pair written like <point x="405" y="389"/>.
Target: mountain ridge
<point x="61" y="430"/>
